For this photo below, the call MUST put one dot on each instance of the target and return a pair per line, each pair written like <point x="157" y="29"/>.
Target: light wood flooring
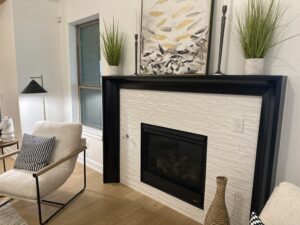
<point x="109" y="204"/>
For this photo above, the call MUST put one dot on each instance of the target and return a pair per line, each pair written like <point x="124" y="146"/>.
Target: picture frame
<point x="176" y="37"/>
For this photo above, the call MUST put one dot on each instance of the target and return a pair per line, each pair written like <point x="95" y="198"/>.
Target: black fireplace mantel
<point x="271" y="88"/>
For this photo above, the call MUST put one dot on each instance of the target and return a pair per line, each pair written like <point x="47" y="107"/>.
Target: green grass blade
<point x="113" y="43"/>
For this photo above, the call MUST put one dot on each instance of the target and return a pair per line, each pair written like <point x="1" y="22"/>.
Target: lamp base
<point x="218" y="73"/>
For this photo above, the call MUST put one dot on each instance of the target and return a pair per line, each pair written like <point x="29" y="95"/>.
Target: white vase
<point x="8" y="130"/>
<point x="113" y="70"/>
<point x="254" y="66"/>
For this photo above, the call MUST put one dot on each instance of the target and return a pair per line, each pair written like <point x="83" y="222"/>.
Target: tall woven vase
<point x="217" y="214"/>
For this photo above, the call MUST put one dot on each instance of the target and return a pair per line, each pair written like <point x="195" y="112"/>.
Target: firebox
<point x="174" y="161"/>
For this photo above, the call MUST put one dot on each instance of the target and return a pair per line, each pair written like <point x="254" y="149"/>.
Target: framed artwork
<point x="176" y="36"/>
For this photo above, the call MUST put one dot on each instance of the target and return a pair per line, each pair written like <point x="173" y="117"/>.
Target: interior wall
<point x="37" y="39"/>
<point x="78" y="11"/>
<point x="8" y="72"/>
<point x="30" y="43"/>
<point x="282" y="59"/>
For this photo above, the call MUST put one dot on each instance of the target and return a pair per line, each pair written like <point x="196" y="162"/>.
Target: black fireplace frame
<point x="270" y="88"/>
<point x="193" y="197"/>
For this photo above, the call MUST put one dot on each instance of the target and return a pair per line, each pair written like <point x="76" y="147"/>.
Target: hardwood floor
<point x="109" y="204"/>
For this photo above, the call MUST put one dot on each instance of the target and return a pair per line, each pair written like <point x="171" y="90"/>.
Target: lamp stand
<point x="44" y="107"/>
<point x="43" y="95"/>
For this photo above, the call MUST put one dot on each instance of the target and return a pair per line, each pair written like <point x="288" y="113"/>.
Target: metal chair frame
<point x="60" y="205"/>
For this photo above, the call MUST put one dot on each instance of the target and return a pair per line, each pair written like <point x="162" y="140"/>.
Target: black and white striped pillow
<point x="255" y="220"/>
<point x="35" y="152"/>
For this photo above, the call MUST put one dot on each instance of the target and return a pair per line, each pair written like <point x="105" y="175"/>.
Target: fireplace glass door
<point x="174" y="161"/>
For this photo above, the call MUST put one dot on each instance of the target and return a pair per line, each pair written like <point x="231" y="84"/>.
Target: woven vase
<point x="217" y="214"/>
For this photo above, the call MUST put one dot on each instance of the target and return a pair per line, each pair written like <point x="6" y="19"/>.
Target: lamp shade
<point x="33" y="88"/>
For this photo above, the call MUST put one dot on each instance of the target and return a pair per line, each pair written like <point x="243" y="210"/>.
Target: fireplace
<point x="169" y="101"/>
<point x="174" y="161"/>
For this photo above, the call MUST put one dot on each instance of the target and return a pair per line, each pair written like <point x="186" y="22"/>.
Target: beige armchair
<point x="283" y="207"/>
<point x="36" y="186"/>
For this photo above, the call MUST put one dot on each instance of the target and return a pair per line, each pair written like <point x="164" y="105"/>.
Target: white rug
<point x="9" y="216"/>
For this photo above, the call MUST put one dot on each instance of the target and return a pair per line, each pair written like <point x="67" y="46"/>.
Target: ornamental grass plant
<point x="259" y="27"/>
<point x="113" y="43"/>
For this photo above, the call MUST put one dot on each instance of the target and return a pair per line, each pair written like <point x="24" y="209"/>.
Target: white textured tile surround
<point x="229" y="153"/>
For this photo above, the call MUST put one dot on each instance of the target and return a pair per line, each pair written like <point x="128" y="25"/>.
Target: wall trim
<point x="92" y="164"/>
<point x="92" y="133"/>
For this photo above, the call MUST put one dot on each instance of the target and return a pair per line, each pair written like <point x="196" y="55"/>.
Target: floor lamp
<point x="35" y="88"/>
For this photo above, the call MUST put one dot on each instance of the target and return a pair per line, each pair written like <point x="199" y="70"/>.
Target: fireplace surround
<point x="270" y="88"/>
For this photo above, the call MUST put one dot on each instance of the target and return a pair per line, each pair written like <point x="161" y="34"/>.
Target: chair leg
<point x="58" y="204"/>
<point x="3" y="160"/>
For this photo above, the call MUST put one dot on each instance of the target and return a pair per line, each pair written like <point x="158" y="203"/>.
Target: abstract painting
<point x="175" y="36"/>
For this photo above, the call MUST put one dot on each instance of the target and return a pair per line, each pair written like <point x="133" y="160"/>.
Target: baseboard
<point x="98" y="167"/>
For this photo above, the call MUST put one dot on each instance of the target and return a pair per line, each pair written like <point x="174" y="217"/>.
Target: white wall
<point x="8" y="71"/>
<point x="282" y="60"/>
<point x="37" y="38"/>
<point x="78" y="11"/>
<point x="30" y="43"/>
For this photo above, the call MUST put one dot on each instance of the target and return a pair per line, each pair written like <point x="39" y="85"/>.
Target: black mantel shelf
<point x="271" y="88"/>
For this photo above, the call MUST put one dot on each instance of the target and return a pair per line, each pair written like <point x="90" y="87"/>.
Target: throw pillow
<point x="255" y="220"/>
<point x="35" y="152"/>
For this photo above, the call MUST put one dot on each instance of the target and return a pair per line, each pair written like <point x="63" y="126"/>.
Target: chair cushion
<point x="67" y="137"/>
<point x="35" y="152"/>
<point x="20" y="184"/>
<point x="67" y="140"/>
<point x="283" y="207"/>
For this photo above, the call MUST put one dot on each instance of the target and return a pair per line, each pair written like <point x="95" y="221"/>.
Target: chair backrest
<point x="283" y="207"/>
<point x="67" y="138"/>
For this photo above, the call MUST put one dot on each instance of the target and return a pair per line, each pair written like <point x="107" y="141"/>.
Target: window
<point x="89" y="77"/>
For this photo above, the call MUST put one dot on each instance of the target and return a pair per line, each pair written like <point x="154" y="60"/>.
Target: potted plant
<point x="259" y="30"/>
<point x="112" y="47"/>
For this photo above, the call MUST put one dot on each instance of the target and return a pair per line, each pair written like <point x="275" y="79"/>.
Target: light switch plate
<point x="238" y="125"/>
